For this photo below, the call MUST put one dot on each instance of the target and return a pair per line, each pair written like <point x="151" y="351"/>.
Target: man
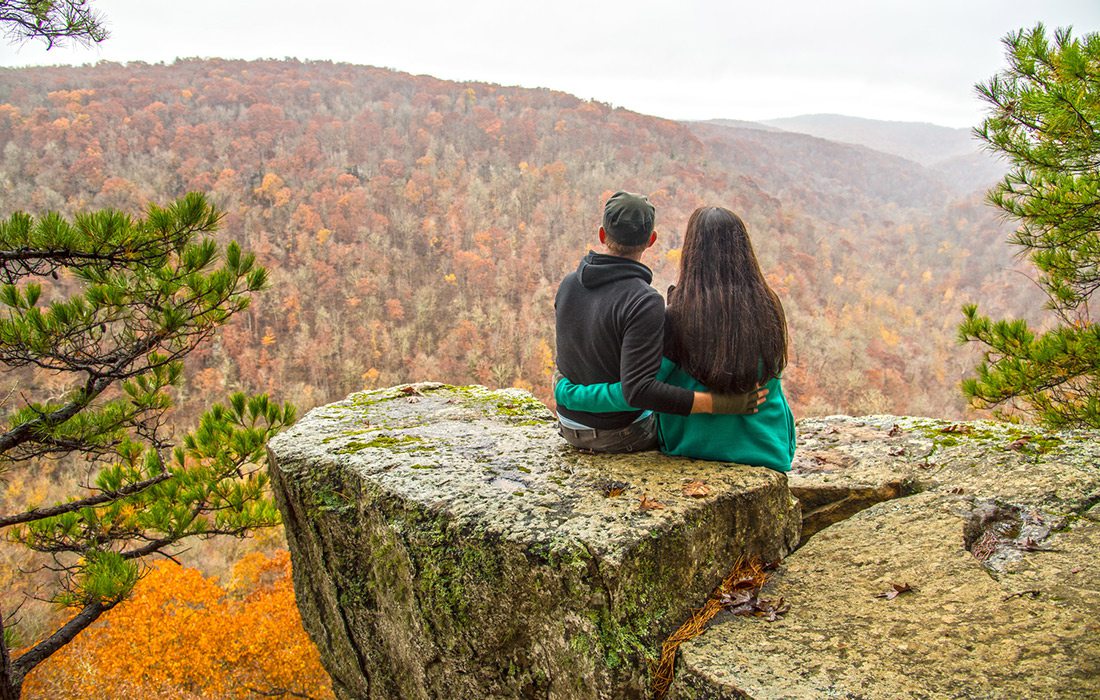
<point x="610" y="328"/>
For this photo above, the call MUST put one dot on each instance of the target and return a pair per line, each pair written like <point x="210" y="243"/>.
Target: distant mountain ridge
<point x="924" y="143"/>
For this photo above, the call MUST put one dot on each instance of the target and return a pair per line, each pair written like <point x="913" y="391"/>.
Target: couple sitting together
<point x="700" y="378"/>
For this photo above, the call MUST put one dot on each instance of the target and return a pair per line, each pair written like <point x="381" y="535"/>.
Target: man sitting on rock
<point x="610" y="328"/>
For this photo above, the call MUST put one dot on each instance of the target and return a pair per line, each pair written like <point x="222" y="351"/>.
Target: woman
<point x="725" y="332"/>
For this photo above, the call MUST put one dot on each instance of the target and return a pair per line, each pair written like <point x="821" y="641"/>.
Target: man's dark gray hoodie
<point x="610" y="328"/>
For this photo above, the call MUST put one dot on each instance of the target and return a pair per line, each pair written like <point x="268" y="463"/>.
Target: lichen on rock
<point x="447" y="543"/>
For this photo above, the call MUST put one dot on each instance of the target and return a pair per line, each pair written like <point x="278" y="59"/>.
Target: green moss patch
<point x="397" y="443"/>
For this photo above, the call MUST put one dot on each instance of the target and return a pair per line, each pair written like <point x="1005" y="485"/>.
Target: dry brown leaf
<point x="696" y="489"/>
<point x="896" y="589"/>
<point x="957" y="428"/>
<point x="612" y="489"/>
<point x="647" y="503"/>
<point x="1020" y="443"/>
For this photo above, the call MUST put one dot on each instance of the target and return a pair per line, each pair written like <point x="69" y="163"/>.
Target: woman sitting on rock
<point x="725" y="332"/>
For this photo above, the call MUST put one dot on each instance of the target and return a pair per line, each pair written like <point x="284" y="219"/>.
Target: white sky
<point x="694" y="59"/>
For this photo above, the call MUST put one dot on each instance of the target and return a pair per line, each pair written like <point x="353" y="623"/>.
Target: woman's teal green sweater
<point x="765" y="438"/>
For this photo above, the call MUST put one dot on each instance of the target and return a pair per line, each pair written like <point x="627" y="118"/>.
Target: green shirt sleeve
<point x="601" y="398"/>
<point x="591" y="398"/>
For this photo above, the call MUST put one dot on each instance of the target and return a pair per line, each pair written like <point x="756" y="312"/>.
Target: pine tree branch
<point x="22" y="665"/>
<point x="71" y="506"/>
<point x="26" y="431"/>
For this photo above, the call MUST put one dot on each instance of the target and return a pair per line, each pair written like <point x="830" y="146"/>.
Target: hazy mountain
<point x="978" y="170"/>
<point x="924" y="143"/>
<point x="790" y="165"/>
<point x="739" y="124"/>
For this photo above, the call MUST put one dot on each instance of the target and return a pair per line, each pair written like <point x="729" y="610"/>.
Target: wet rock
<point x="999" y="538"/>
<point x="448" y="544"/>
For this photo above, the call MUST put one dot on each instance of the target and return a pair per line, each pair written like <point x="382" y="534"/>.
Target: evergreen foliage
<point x="52" y="21"/>
<point x="116" y="303"/>
<point x="1045" y="118"/>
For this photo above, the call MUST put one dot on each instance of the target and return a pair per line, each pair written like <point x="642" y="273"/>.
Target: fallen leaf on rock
<point x="1030" y="593"/>
<point x="746" y="603"/>
<point x="696" y="489"/>
<point x="897" y="452"/>
<point x="1030" y="545"/>
<point x="647" y="503"/>
<point x="770" y="610"/>
<point x="896" y="589"/>
<point x="894" y="431"/>
<point x="1019" y="443"/>
<point x="737" y="598"/>
<point x="612" y="489"/>
<point x="985" y="546"/>
<point x="957" y="428"/>
<point x="411" y="390"/>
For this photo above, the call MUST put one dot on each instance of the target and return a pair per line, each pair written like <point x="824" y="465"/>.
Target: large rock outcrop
<point x="995" y="527"/>
<point x="448" y="544"/>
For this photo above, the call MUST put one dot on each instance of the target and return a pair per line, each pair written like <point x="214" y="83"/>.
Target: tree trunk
<point x="10" y="688"/>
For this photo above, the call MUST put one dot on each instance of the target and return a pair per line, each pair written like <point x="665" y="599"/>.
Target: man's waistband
<point x="605" y="432"/>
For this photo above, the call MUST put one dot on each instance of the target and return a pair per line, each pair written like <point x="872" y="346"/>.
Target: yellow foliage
<point x="271" y="182"/>
<point x="673" y="255"/>
<point x="890" y="337"/>
<point x="546" y="360"/>
<point x="523" y="384"/>
<point x="182" y="635"/>
<point x="322" y="235"/>
<point x="371" y="377"/>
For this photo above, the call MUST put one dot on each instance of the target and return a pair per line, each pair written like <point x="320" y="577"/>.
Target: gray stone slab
<point x="446" y="543"/>
<point x="999" y="538"/>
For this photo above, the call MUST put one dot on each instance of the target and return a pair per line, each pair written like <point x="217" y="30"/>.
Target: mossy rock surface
<point x="447" y="543"/>
<point x="997" y="531"/>
<point x="845" y="464"/>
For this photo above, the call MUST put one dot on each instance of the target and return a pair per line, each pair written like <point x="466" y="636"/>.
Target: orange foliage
<point x="182" y="635"/>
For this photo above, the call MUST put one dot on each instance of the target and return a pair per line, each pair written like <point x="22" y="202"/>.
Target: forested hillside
<point x="416" y="228"/>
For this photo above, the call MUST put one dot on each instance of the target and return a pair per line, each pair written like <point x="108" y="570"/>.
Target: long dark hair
<point x="726" y="326"/>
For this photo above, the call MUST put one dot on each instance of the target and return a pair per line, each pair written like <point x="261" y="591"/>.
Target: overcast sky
<point x="695" y="59"/>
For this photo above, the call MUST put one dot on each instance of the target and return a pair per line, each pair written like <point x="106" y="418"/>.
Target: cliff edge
<point x="448" y="544"/>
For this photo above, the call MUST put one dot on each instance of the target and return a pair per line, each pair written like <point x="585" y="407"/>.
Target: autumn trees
<point x="109" y="306"/>
<point x="1045" y="118"/>
<point x="185" y="635"/>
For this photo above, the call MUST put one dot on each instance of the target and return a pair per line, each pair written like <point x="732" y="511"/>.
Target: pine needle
<point x="745" y="574"/>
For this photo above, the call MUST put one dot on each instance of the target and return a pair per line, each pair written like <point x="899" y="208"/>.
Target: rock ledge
<point x="447" y="543"/>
